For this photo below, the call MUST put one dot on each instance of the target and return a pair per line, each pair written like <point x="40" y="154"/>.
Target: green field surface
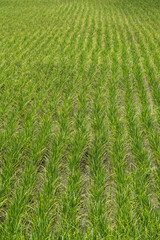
<point x="80" y="119"/>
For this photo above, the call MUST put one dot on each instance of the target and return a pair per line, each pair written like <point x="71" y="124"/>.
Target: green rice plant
<point x="46" y="212"/>
<point x="118" y="152"/>
<point x="139" y="153"/>
<point x="96" y="204"/>
<point x="79" y="119"/>
<point x="148" y="122"/>
<point x="71" y="223"/>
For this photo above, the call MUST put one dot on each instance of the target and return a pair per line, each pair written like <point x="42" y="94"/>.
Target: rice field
<point x="80" y="119"/>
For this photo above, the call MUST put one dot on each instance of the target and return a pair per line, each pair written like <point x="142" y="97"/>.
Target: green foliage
<point x="80" y="119"/>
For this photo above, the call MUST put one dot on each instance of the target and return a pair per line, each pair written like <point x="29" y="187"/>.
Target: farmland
<point x="80" y="119"/>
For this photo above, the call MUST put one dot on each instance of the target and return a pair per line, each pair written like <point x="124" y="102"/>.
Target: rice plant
<point x="80" y="119"/>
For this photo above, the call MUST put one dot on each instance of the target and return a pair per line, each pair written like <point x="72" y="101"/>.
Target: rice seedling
<point x="79" y="119"/>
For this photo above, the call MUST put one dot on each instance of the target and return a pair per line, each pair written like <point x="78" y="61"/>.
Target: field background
<point x="80" y="119"/>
